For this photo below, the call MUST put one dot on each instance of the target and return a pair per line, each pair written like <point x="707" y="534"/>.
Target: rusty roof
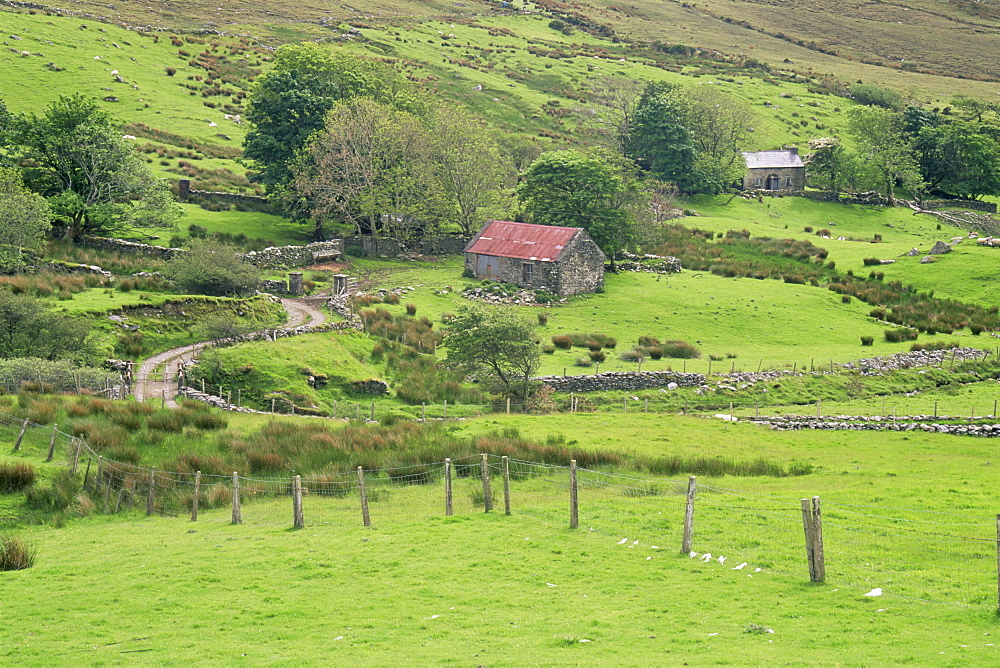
<point x="522" y="240"/>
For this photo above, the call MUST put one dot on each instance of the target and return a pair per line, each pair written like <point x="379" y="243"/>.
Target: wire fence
<point x="918" y="554"/>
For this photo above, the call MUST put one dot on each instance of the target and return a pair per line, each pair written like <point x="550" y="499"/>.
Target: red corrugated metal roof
<point x="522" y="240"/>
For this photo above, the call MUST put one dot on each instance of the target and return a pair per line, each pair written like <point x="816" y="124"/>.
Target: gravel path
<point x="157" y="376"/>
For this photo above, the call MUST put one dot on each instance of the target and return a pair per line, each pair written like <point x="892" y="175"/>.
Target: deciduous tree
<point x="959" y="160"/>
<point x="496" y="346"/>
<point x="24" y="220"/>
<point x="76" y="156"/>
<point x="884" y="152"/>
<point x="589" y="191"/>
<point x="371" y="166"/>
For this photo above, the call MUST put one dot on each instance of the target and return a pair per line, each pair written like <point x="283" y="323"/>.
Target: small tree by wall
<point x="211" y="268"/>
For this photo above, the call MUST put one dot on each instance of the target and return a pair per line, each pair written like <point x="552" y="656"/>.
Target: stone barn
<point x="561" y="260"/>
<point x="781" y="169"/>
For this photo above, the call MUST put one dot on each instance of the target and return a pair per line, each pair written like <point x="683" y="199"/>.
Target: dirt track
<point x="157" y="376"/>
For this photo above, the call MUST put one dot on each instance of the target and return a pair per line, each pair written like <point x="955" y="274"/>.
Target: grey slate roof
<point x="772" y="159"/>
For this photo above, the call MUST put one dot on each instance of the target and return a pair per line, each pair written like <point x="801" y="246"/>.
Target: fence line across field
<point x="924" y="555"/>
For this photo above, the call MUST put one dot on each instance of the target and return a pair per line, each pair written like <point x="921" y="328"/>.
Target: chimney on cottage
<point x="794" y="150"/>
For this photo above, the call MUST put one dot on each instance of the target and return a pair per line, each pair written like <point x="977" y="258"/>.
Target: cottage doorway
<point x="773" y="182"/>
<point x="486" y="267"/>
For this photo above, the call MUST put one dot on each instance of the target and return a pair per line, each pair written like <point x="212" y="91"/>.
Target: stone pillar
<point x="295" y="283"/>
<point x="184" y="188"/>
<point x="339" y="284"/>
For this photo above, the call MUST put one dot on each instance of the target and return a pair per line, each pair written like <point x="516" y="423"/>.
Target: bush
<point x="876" y="96"/>
<point x="15" y="477"/>
<point x="16" y="554"/>
<point x="871" y="261"/>
<point x="583" y="361"/>
<point x="867" y="340"/>
<point x="211" y="268"/>
<point x="656" y="352"/>
<point x="680" y="350"/>
<point x="976" y="329"/>
<point x="635" y="355"/>
<point x="845" y="299"/>
<point x="900" y="335"/>
<point x="548" y="349"/>
<point x="562" y="341"/>
<point x="597" y="355"/>
<point x="648" y="341"/>
<point x="543" y="318"/>
<point x="411" y="308"/>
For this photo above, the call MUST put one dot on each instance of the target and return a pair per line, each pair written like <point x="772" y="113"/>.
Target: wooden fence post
<point x="689" y="516"/>
<point x="444" y="414"/>
<point x="100" y="473"/>
<point x="52" y="443"/>
<point x="574" y="508"/>
<point x="484" y="469"/>
<point x="807" y="527"/>
<point x="121" y="495"/>
<point x="86" y="475"/>
<point x="373" y="412"/>
<point x="364" y="498"/>
<point x="76" y="455"/>
<point x="152" y="492"/>
<point x="448" y="510"/>
<point x="423" y="411"/>
<point x="20" y="436"/>
<point x="508" y="406"/>
<point x="197" y="496"/>
<point x="506" y="485"/>
<point x="237" y="512"/>
<point x="297" y="516"/>
<point x="819" y="563"/>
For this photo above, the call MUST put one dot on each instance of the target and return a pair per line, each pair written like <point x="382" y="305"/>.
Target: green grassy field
<point x="474" y="589"/>
<point x="509" y="590"/>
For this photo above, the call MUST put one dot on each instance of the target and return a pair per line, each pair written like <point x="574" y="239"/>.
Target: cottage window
<point x="789" y="182"/>
<point x="758" y="182"/>
<point x="526" y="272"/>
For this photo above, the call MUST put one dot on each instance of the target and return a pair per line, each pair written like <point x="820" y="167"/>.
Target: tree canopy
<point x="589" y="191"/>
<point x="75" y="155"/>
<point x="24" y="220"/>
<point x="496" y="346"/>
<point x="959" y="160"/>
<point x="27" y="329"/>
<point x="211" y="268"/>
<point x="691" y="137"/>
<point x="289" y="102"/>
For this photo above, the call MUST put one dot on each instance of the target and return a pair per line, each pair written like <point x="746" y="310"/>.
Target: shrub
<point x="392" y="298"/>
<point x="867" y="340"/>
<point x="16" y="554"/>
<point x="823" y="233"/>
<point x="605" y="340"/>
<point x="597" y="355"/>
<point x="15" y="477"/>
<point x="845" y="299"/>
<point x="548" y="349"/>
<point x="635" y="355"/>
<point x="871" y="261"/>
<point x="593" y="345"/>
<point x="648" y="341"/>
<point x="543" y="318"/>
<point x="900" y="335"/>
<point x="680" y="350"/>
<point x="808" y="229"/>
<point x="211" y="268"/>
<point x="976" y="329"/>
<point x="656" y="352"/>
<point x="562" y="341"/>
<point x="877" y="313"/>
<point x="583" y="361"/>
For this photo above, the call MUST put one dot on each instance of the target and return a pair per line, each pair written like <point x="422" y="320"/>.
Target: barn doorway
<point x="773" y="182"/>
<point x="486" y="267"/>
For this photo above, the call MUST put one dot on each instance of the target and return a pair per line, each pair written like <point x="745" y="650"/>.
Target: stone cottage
<point x="561" y="260"/>
<point x="780" y="169"/>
